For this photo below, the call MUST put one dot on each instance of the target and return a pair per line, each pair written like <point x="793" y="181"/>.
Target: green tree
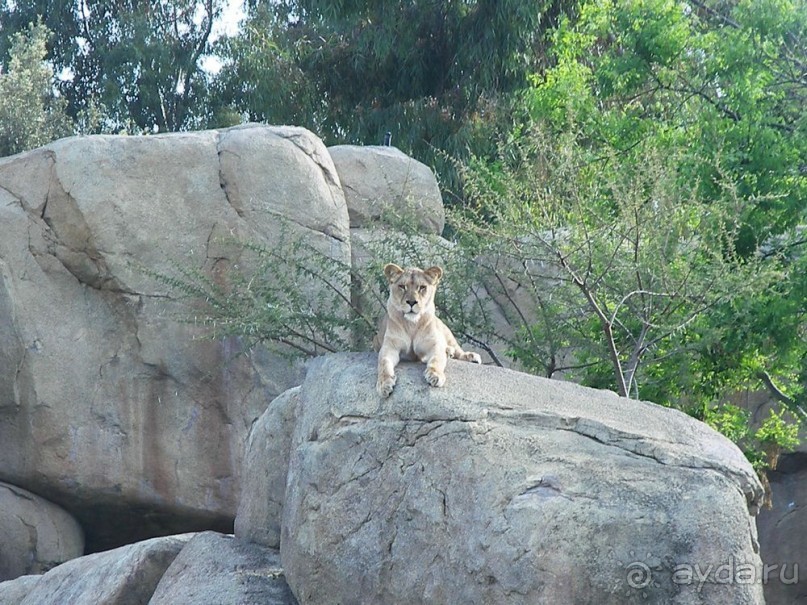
<point x="721" y="87"/>
<point x="613" y="261"/>
<point x="723" y="83"/>
<point x="261" y="79"/>
<point x="30" y="112"/>
<point x="436" y="75"/>
<point x="138" y="63"/>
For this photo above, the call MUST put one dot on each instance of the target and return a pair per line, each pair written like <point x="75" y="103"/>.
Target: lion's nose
<point x="411" y="303"/>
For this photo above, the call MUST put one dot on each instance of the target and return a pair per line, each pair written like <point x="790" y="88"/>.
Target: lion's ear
<point x="434" y="273"/>
<point x="392" y="272"/>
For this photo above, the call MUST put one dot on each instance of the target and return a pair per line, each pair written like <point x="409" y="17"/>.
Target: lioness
<point x="410" y="330"/>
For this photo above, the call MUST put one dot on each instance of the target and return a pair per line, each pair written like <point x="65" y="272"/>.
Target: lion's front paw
<point x="472" y="357"/>
<point x="434" y="378"/>
<point x="384" y="386"/>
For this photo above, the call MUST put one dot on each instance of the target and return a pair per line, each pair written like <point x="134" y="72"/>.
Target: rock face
<point x="133" y="421"/>
<point x="13" y="592"/>
<point x="783" y="533"/>
<point x="36" y="534"/>
<point x="205" y="568"/>
<point x="498" y="488"/>
<point x="123" y="576"/>
<point x="263" y="485"/>
<point x="783" y="527"/>
<point x="381" y="180"/>
<point x="503" y="487"/>
<point x="214" y="569"/>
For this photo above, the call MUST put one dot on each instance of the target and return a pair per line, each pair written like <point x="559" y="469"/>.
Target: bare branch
<point x="636" y="357"/>
<point x="718" y="15"/>
<point x="779" y="395"/>
<point x="642" y="293"/>
<point x="606" y="325"/>
<point x="485" y="346"/>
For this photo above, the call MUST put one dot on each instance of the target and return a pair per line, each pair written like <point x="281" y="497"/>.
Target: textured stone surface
<point x="36" y="534"/>
<point x="503" y="487"/>
<point x="783" y="533"/>
<point x="13" y="592"/>
<point x="124" y="576"/>
<point x="288" y="175"/>
<point x="214" y="569"/>
<point x="110" y="407"/>
<point x="381" y="181"/>
<point x="263" y="486"/>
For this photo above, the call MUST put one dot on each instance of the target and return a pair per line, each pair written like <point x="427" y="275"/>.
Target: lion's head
<point x="412" y="290"/>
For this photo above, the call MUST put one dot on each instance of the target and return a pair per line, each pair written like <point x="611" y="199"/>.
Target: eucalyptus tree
<point x="435" y="75"/>
<point x="137" y="64"/>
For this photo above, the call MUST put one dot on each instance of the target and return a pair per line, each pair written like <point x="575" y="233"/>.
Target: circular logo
<point x="639" y="575"/>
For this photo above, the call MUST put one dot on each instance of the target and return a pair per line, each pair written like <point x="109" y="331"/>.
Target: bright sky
<point x="228" y="25"/>
<point x="231" y="18"/>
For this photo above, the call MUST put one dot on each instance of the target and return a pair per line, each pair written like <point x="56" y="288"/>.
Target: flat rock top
<point x="344" y="387"/>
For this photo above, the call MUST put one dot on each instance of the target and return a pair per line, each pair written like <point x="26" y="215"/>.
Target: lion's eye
<point x="422" y="289"/>
<point x="401" y="287"/>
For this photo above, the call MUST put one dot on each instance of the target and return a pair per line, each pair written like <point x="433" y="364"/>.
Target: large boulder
<point x="123" y="576"/>
<point x="383" y="183"/>
<point x="110" y="407"/>
<point x="263" y="486"/>
<point x="214" y="569"/>
<point x="503" y="487"/>
<point x="36" y="534"/>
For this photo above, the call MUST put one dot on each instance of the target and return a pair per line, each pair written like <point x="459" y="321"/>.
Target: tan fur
<point x="411" y="331"/>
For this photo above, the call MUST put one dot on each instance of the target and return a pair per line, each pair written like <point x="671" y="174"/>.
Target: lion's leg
<point x="454" y="350"/>
<point x="435" y="373"/>
<point x="387" y="360"/>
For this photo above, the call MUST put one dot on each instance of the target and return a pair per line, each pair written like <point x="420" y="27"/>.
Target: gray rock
<point x="783" y="527"/>
<point x="13" y="592"/>
<point x="378" y="181"/>
<point x="287" y="173"/>
<point x="783" y="533"/>
<point x="503" y="487"/>
<point x="36" y="534"/>
<point x="110" y="407"/>
<point x="214" y="569"/>
<point x="263" y="486"/>
<point x="123" y="576"/>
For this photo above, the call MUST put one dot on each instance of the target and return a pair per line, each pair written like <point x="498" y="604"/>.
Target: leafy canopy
<point x="437" y="75"/>
<point x="723" y="85"/>
<point x="135" y="63"/>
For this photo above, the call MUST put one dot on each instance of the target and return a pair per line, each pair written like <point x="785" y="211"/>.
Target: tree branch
<point x="720" y="16"/>
<point x="607" y="326"/>
<point x="779" y="395"/>
<point x="483" y="345"/>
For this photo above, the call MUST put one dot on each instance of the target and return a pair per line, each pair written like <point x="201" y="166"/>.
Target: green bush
<point x="30" y="112"/>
